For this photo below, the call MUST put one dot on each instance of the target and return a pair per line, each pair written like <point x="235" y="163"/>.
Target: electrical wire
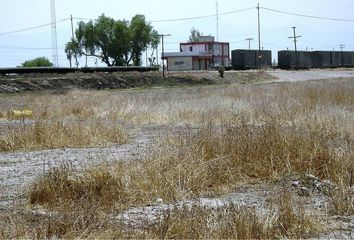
<point x="32" y="28"/>
<point x="307" y="16"/>
<point x="185" y="19"/>
<point x="26" y="48"/>
<point x="201" y="17"/>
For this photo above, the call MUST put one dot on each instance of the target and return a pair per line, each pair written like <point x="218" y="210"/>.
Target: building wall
<point x="179" y="63"/>
<point x="220" y="51"/>
<point x="193" y="48"/>
<point x="200" y="64"/>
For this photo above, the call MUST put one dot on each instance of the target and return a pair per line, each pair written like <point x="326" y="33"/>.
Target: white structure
<point x="54" y="34"/>
<point x="202" y="55"/>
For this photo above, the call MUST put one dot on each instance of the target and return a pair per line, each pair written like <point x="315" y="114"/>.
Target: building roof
<point x="203" y="43"/>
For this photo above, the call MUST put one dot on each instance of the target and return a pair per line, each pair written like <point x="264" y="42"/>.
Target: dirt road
<point x="306" y="75"/>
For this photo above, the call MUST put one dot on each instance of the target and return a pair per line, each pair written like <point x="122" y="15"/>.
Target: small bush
<point x="37" y="62"/>
<point x="221" y="71"/>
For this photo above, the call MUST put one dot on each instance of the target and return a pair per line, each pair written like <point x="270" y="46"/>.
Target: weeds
<point x="208" y="161"/>
<point x="240" y="134"/>
<point x="286" y="220"/>
<point x="60" y="134"/>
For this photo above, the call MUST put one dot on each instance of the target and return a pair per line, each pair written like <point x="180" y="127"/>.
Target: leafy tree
<point x="195" y="35"/>
<point x="71" y="50"/>
<point x="116" y="43"/>
<point x="37" y="62"/>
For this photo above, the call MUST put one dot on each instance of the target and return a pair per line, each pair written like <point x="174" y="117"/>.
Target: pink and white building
<point x="203" y="55"/>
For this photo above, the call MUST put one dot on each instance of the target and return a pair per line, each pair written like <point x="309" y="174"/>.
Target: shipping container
<point x="248" y="59"/>
<point x="266" y="58"/>
<point x="321" y="59"/>
<point x="243" y="59"/>
<point x="346" y="59"/>
<point x="336" y="59"/>
<point x="304" y="59"/>
<point x="287" y="59"/>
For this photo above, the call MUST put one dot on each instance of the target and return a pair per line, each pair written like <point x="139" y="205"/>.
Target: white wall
<point x="180" y="63"/>
<point x="195" y="48"/>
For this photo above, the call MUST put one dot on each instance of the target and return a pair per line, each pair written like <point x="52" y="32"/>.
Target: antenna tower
<point x="54" y="34"/>
<point x="217" y="21"/>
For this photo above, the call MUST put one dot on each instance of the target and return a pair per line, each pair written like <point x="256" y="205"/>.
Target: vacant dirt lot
<point x="219" y="144"/>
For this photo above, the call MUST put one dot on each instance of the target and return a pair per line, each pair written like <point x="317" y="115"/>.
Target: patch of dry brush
<point x="243" y="134"/>
<point x="60" y="134"/>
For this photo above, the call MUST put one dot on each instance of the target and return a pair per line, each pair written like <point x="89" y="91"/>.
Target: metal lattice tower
<point x="54" y="34"/>
<point x="217" y="21"/>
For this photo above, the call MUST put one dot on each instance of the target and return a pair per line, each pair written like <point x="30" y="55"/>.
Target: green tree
<point x="71" y="50"/>
<point x="37" y="62"/>
<point x="195" y="35"/>
<point x="116" y="43"/>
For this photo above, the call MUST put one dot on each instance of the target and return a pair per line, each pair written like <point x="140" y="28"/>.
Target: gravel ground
<point x="306" y="75"/>
<point x="18" y="169"/>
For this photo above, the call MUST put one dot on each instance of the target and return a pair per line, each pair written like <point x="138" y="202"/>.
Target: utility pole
<point x="73" y="38"/>
<point x="295" y="43"/>
<point x="259" y="54"/>
<point x="157" y="56"/>
<point x="342" y="46"/>
<point x="163" y="52"/>
<point x="249" y="42"/>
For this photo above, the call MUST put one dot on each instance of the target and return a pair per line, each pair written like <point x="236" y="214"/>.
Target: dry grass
<point x="342" y="199"/>
<point x="238" y="134"/>
<point x="301" y="102"/>
<point x="207" y="161"/>
<point x="59" y="134"/>
<point x="286" y="219"/>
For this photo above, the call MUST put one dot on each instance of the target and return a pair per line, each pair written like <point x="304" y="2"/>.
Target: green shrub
<point x="37" y="62"/>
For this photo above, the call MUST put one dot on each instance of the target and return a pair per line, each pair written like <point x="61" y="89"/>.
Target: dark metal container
<point x="287" y="59"/>
<point x="248" y="59"/>
<point x="243" y="59"/>
<point x="321" y="59"/>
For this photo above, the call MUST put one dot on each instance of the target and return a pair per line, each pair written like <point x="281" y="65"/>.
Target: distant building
<point x="203" y="55"/>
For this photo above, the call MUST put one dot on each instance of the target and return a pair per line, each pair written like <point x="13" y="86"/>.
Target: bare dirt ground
<point x="18" y="169"/>
<point x="306" y="75"/>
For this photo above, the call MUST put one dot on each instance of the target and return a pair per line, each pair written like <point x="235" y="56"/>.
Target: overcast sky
<point x="234" y="28"/>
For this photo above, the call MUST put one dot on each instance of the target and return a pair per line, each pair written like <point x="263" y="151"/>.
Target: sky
<point x="234" y="26"/>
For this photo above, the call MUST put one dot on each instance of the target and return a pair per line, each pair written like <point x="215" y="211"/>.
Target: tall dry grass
<point x="234" y="134"/>
<point x="206" y="161"/>
<point x="60" y="134"/>
<point x="285" y="219"/>
<point x="306" y="102"/>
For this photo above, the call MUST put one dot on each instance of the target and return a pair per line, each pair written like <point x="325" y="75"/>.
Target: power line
<point x="201" y="17"/>
<point x="26" y="48"/>
<point x="308" y="16"/>
<point x="186" y="19"/>
<point x="32" y="28"/>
